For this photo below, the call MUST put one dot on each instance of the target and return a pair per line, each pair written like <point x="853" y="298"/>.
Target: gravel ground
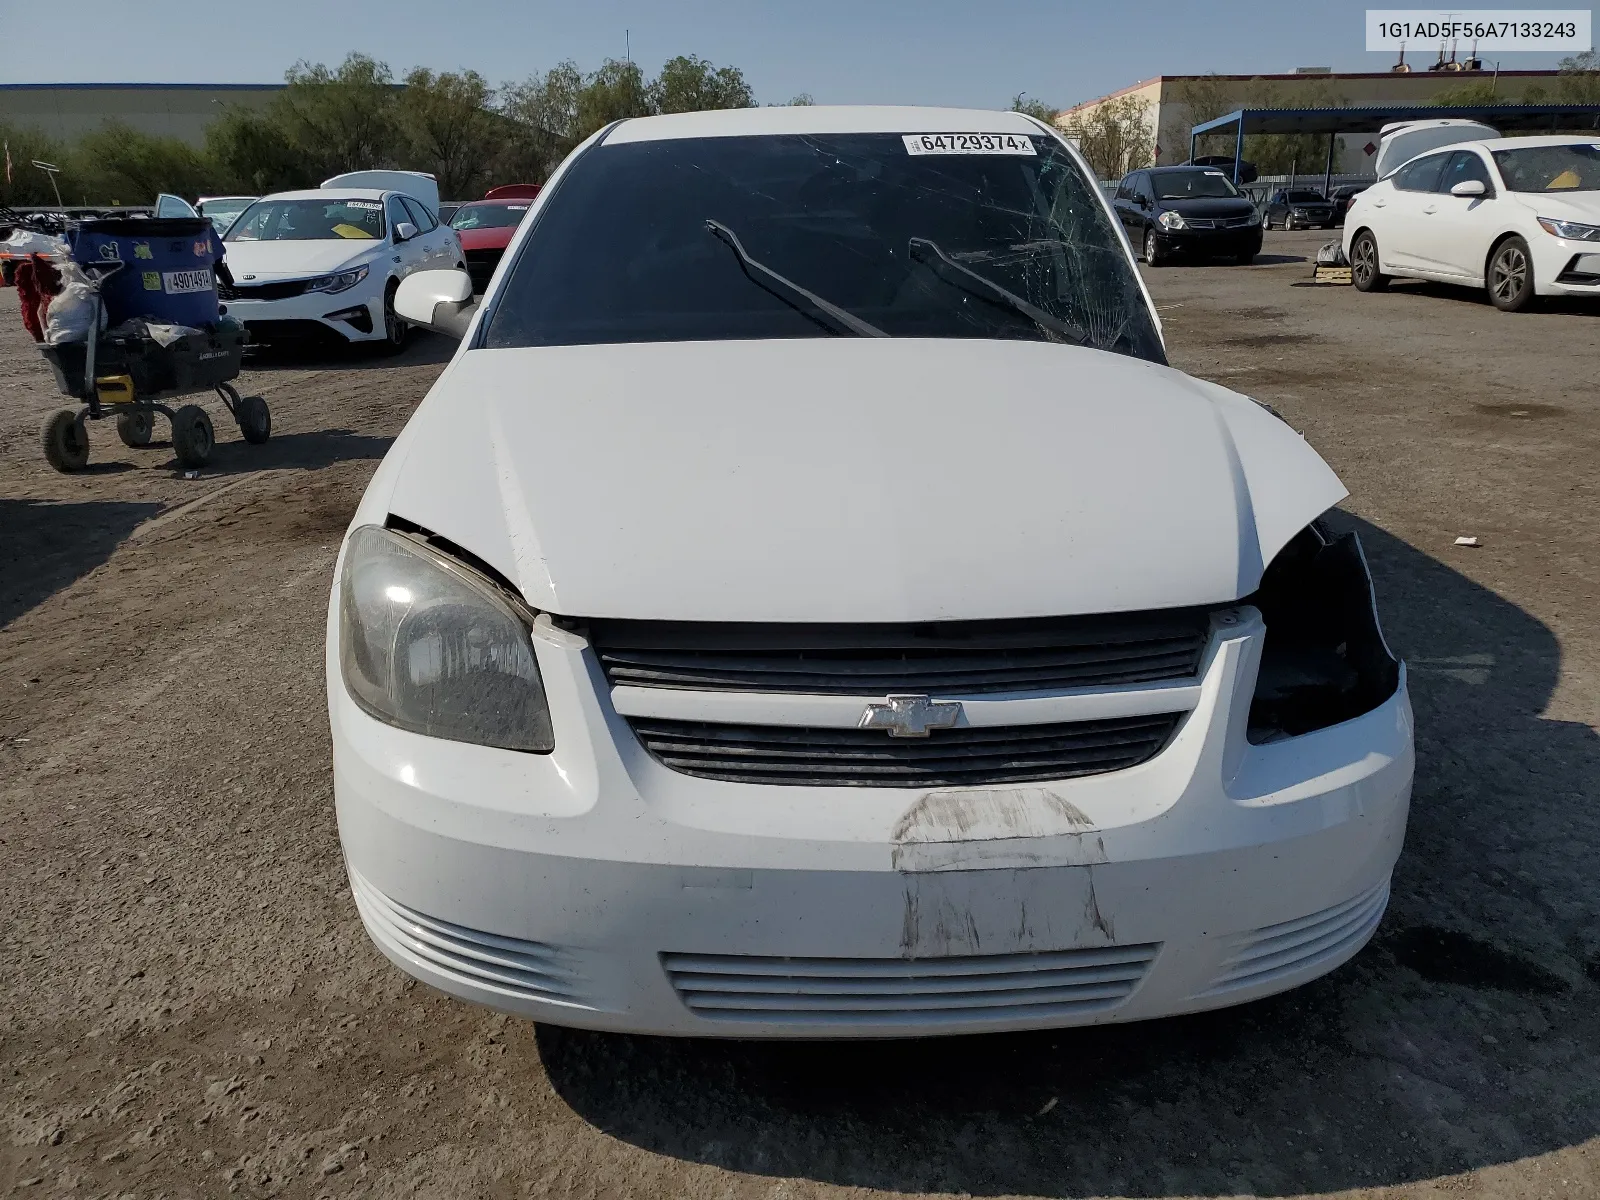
<point x="189" y="1007"/>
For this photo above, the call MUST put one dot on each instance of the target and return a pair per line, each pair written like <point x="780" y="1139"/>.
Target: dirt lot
<point x="189" y="1007"/>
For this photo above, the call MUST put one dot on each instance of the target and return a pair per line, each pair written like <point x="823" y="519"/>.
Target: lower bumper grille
<point x="1290" y="947"/>
<point x="293" y="331"/>
<point x="262" y="291"/>
<point x="529" y="970"/>
<point x="873" y="991"/>
<point x="773" y="754"/>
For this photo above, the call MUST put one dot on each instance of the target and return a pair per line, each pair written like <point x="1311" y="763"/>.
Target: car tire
<point x="66" y="441"/>
<point x="1364" y="262"/>
<point x="1510" y="276"/>
<point x="396" y="332"/>
<point x="1152" y="250"/>
<point x="192" y="436"/>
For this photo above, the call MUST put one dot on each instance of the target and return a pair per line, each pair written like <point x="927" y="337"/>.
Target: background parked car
<point x="1299" y="209"/>
<point x="1169" y="211"/>
<point x="325" y="263"/>
<point x="1341" y="197"/>
<point x="485" y="228"/>
<point x="222" y="211"/>
<point x="1517" y="216"/>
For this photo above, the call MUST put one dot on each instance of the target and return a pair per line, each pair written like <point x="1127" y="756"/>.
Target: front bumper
<point x="1565" y="267"/>
<point x="311" y="316"/>
<point x="595" y="887"/>
<point x="1210" y="242"/>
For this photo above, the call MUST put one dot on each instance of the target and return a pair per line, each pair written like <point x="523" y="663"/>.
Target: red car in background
<point x="485" y="227"/>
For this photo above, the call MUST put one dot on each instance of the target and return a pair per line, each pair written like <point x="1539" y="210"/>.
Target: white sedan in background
<point x="1518" y="216"/>
<point x="324" y="264"/>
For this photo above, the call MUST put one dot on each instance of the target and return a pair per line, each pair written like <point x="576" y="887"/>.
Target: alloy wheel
<point x="1510" y="272"/>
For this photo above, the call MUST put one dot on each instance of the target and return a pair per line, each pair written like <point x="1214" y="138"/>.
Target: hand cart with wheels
<point x="129" y="375"/>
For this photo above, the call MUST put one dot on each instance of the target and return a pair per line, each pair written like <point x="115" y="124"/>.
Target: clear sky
<point x="840" y="51"/>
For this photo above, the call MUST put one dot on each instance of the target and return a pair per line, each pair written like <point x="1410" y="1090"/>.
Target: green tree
<point x="1580" y="78"/>
<point x="117" y="163"/>
<point x="1115" y="136"/>
<point x="543" y="116"/>
<point x="688" y="83"/>
<point x="1034" y="108"/>
<point x="252" y="153"/>
<point x="341" y="119"/>
<point x="803" y="100"/>
<point x="615" y="91"/>
<point x="28" y="184"/>
<point x="449" y="127"/>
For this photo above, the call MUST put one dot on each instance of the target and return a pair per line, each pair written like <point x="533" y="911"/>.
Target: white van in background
<point x="1401" y="141"/>
<point x="419" y="185"/>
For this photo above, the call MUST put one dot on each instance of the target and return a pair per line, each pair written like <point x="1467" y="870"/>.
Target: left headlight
<point x="1575" y="230"/>
<point x="343" y="281"/>
<point x="428" y="645"/>
<point x="1171" y="220"/>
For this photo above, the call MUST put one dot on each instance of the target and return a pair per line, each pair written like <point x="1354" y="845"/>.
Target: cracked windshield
<point x="860" y="235"/>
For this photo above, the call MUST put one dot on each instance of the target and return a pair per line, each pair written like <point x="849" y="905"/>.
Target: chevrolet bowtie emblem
<point x="910" y="716"/>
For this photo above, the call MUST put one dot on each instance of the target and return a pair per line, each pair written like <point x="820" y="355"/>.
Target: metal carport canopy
<point x="1508" y="118"/>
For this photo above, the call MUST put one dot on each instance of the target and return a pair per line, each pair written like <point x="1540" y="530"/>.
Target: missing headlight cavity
<point x="1324" y="660"/>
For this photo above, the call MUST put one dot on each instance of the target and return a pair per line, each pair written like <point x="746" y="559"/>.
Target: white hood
<point x="1564" y="206"/>
<point x="853" y="479"/>
<point x="296" y="260"/>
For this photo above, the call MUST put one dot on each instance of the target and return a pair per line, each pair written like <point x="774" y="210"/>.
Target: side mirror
<point x="404" y="232"/>
<point x="1469" y="187"/>
<point x="437" y="300"/>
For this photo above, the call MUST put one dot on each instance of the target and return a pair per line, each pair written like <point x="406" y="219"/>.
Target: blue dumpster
<point x="167" y="272"/>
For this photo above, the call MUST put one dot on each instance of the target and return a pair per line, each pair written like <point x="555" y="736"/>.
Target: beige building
<point x="67" y="111"/>
<point x="1170" y="111"/>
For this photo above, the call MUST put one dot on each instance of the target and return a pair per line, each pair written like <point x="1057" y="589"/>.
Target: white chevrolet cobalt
<point x="324" y="264"/>
<point x="809" y="605"/>
<point x="1519" y="217"/>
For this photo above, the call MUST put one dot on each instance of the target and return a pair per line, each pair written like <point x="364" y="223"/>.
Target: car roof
<point x="1525" y="143"/>
<point x="1204" y="168"/>
<point x="819" y="119"/>
<point x="330" y="194"/>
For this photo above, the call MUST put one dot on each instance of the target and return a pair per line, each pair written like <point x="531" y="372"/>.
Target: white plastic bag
<point x="70" y="314"/>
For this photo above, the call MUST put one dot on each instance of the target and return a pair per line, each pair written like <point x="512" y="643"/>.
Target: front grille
<point x="262" y="291"/>
<point x="809" y="756"/>
<point x="1219" y="222"/>
<point x="948" y="658"/>
<point x="916" y="991"/>
<point x="520" y="968"/>
<point x="1290" y="948"/>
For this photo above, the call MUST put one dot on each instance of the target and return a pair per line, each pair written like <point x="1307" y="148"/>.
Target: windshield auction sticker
<point x="1484" y="29"/>
<point x="969" y="143"/>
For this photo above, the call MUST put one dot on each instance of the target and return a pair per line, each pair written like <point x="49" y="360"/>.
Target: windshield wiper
<point x="790" y="292"/>
<point x="929" y="253"/>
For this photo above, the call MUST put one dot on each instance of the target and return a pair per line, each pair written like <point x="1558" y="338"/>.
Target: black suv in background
<point x="1302" y="208"/>
<point x="1169" y="211"/>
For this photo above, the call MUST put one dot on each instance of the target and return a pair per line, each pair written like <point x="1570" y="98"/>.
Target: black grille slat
<point x="949" y="658"/>
<point x="869" y="758"/>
